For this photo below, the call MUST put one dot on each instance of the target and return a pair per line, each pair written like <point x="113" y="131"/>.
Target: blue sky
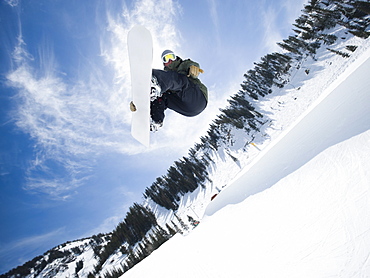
<point x="68" y="165"/>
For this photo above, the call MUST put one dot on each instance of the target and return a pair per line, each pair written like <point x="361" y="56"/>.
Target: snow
<point x="301" y="208"/>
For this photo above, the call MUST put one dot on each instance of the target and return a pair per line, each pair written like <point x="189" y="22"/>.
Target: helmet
<point x="168" y="55"/>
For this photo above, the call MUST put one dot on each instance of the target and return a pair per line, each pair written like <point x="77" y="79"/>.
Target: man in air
<point x="178" y="88"/>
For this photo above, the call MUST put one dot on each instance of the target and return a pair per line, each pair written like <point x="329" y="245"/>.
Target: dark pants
<point x="179" y="94"/>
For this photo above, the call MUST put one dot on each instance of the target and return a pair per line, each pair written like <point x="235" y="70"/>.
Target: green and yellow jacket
<point x="182" y="67"/>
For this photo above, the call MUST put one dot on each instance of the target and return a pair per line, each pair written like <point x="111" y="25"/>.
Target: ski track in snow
<point x="301" y="209"/>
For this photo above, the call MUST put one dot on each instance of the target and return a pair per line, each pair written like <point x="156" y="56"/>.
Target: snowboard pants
<point x="179" y="95"/>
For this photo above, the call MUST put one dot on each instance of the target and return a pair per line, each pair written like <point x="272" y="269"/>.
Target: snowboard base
<point x="140" y="51"/>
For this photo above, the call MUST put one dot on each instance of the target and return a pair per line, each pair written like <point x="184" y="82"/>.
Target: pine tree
<point x="171" y="231"/>
<point x="183" y="225"/>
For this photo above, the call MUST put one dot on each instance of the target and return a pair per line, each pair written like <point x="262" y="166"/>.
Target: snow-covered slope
<point x="342" y="111"/>
<point x="300" y="209"/>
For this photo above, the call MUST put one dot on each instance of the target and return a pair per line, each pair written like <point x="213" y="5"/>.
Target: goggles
<point x="170" y="56"/>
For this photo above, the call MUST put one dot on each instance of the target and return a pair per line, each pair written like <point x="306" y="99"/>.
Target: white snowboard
<point x="140" y="51"/>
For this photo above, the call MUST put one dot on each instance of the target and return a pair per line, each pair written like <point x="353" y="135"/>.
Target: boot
<point x="157" y="108"/>
<point x="154" y="126"/>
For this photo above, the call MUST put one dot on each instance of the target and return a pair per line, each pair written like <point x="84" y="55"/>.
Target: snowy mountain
<point x="300" y="209"/>
<point x="280" y="183"/>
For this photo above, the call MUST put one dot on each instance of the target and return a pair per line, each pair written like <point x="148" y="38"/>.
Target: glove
<point x="194" y="71"/>
<point x="132" y="106"/>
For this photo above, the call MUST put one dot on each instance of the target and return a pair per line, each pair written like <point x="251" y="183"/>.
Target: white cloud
<point x="12" y="3"/>
<point x="35" y="241"/>
<point x="74" y="120"/>
<point x="20" y="52"/>
<point x="26" y="247"/>
<point x="215" y="19"/>
<point x="272" y="33"/>
<point x="69" y="123"/>
<point x="277" y="22"/>
<point x="293" y="9"/>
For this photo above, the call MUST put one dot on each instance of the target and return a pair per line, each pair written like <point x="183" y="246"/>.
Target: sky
<point x="69" y="167"/>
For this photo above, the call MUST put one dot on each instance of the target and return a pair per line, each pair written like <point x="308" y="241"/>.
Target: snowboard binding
<point x="154" y="126"/>
<point x="155" y="89"/>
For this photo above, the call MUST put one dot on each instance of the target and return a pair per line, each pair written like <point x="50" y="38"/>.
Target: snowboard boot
<point x="154" y="126"/>
<point x="157" y="108"/>
<point x="155" y="90"/>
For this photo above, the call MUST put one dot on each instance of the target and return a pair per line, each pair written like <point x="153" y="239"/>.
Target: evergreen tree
<point x="171" y="231"/>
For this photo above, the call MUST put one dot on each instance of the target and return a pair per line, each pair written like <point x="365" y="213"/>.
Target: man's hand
<point x="194" y="71"/>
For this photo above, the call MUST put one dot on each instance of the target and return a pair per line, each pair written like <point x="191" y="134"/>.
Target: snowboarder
<point x="178" y="88"/>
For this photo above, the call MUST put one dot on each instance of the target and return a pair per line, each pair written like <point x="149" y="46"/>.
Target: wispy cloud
<point x="215" y="20"/>
<point x="20" y="52"/>
<point x="27" y="247"/>
<point x="12" y="3"/>
<point x="74" y="120"/>
<point x="33" y="241"/>
<point x="293" y="9"/>
<point x="272" y="33"/>
<point x="277" y="21"/>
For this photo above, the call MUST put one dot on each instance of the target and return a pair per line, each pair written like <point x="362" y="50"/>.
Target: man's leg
<point x="181" y="95"/>
<point x="189" y="103"/>
<point x="171" y="80"/>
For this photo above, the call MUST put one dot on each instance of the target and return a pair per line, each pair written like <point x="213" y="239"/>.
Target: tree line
<point x="272" y="70"/>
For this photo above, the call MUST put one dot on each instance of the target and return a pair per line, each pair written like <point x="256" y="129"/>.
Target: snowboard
<point x="140" y="52"/>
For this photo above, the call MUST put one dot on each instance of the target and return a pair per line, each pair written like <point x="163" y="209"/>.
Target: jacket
<point x="182" y="67"/>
